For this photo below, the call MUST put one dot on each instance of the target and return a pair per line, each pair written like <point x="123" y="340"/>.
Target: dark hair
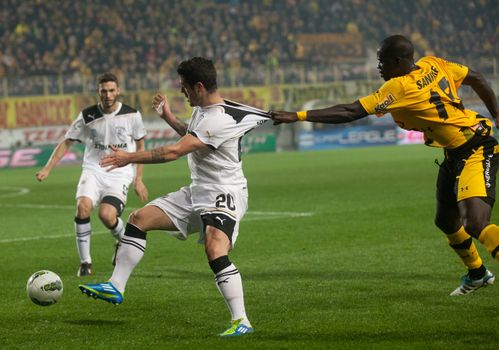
<point x="398" y="46"/>
<point x="106" y="77"/>
<point x="199" y="69"/>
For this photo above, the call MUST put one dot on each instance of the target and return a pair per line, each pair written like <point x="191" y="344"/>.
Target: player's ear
<point x="199" y="87"/>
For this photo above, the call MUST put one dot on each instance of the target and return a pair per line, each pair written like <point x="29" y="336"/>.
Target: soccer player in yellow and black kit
<point x="423" y="96"/>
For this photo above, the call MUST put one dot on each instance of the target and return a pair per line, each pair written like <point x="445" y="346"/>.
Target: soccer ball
<point x="44" y="288"/>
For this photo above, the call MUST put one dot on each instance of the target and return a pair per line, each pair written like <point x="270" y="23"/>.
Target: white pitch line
<point x="37" y="206"/>
<point x="36" y="238"/>
<point x="280" y="213"/>
<point x="56" y="206"/>
<point x="16" y="191"/>
<point x="253" y="216"/>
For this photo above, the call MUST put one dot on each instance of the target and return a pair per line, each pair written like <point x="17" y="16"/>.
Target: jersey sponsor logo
<point x="381" y="108"/>
<point x="102" y="147"/>
<point x="428" y="78"/>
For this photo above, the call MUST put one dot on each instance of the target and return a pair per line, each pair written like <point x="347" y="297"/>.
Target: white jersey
<point x="221" y="127"/>
<point x="99" y="131"/>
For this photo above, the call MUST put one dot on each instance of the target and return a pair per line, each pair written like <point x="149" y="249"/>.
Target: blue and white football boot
<point x="105" y="291"/>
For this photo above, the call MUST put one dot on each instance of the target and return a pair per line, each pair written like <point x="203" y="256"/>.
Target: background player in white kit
<point x="109" y="123"/>
<point x="215" y="201"/>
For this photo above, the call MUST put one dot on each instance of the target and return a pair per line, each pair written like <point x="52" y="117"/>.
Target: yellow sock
<point x="489" y="237"/>
<point x="463" y="245"/>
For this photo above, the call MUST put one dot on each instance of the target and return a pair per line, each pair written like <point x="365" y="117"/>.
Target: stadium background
<point x="273" y="54"/>
<point x="338" y="248"/>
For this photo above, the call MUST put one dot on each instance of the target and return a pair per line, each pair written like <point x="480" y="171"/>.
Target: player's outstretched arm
<point x="343" y="113"/>
<point x="54" y="159"/>
<point x="162" y="107"/>
<point x="139" y="186"/>
<point x="484" y="91"/>
<point x="185" y="145"/>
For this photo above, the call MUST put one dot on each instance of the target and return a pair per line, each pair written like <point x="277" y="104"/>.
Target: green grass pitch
<point x="338" y="251"/>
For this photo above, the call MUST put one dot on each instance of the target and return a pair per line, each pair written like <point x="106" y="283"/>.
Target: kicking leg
<point x="130" y="253"/>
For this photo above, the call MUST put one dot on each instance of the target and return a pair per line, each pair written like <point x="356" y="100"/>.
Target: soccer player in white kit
<point x="109" y="123"/>
<point x="215" y="201"/>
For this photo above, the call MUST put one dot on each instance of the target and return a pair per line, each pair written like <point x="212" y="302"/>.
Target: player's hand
<point x="42" y="174"/>
<point x="141" y="190"/>
<point x="160" y="105"/>
<point x="283" y="117"/>
<point x="117" y="159"/>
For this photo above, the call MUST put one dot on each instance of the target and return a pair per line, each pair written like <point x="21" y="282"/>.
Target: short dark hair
<point x="106" y="77"/>
<point x="398" y="46"/>
<point x="199" y="69"/>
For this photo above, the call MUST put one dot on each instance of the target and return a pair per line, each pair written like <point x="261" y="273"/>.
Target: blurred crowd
<point x="45" y="37"/>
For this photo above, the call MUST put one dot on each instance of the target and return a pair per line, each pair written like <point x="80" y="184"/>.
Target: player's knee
<point x="108" y="217"/>
<point x="216" y="243"/>
<point x="474" y="226"/>
<point x="137" y="217"/>
<point x="83" y="209"/>
<point x="447" y="226"/>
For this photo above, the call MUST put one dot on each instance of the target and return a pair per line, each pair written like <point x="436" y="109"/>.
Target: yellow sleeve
<point x="379" y="102"/>
<point x="457" y="71"/>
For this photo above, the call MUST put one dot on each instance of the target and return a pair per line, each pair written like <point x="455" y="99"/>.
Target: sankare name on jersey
<point x="99" y="131"/>
<point x="221" y="127"/>
<point x="426" y="100"/>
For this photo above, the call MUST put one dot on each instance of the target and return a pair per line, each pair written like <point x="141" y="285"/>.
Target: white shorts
<point x="193" y="207"/>
<point x="97" y="186"/>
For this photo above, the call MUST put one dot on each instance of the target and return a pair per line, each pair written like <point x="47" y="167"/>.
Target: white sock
<point x="129" y="254"/>
<point x="119" y="230"/>
<point x="83" y="231"/>
<point x="230" y="285"/>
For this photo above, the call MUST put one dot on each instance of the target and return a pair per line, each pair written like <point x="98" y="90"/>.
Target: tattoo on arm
<point x="158" y="155"/>
<point x="179" y="126"/>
